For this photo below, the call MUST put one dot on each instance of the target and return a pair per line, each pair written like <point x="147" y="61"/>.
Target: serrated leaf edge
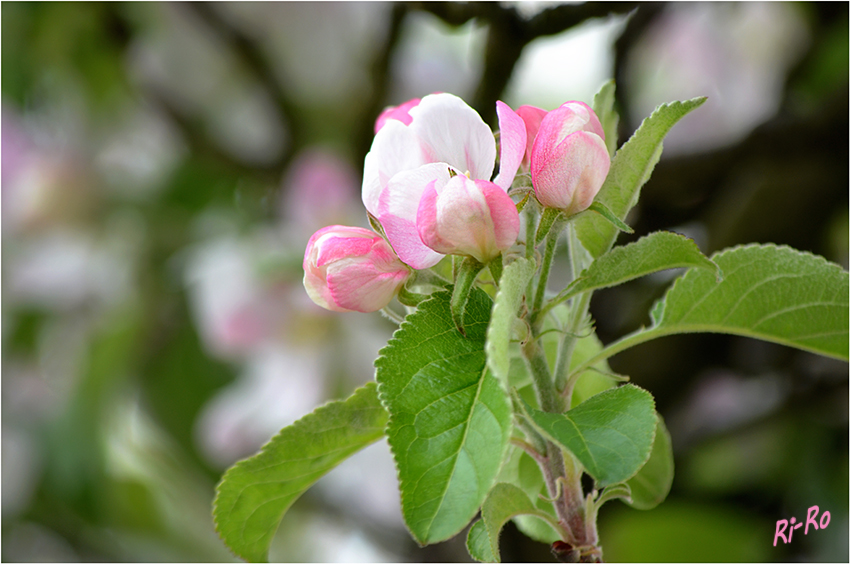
<point x="384" y="401"/>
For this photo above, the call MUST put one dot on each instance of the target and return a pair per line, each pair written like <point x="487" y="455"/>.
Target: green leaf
<point x="611" y="433"/>
<point x="650" y="486"/>
<point x="603" y="106"/>
<point x="504" y="502"/>
<point x="450" y="419"/>
<point x="768" y="292"/>
<point x="255" y="493"/>
<point x="630" y="169"/>
<point x="602" y="210"/>
<point x="508" y="299"/>
<point x="657" y="251"/>
<point x="478" y="542"/>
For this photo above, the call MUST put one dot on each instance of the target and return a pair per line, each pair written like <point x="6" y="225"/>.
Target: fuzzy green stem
<point x="530" y="217"/>
<point x="548" y="256"/>
<point x="577" y="315"/>
<point x="538" y="367"/>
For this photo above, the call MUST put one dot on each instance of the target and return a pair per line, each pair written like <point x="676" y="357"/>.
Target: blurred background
<point x="163" y="166"/>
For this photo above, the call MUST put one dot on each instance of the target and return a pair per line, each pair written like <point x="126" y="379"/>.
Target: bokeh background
<point x="163" y="166"/>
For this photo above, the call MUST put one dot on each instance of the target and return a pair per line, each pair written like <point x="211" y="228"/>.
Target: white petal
<point x="452" y="132"/>
<point x="394" y="149"/>
<point x="404" y="190"/>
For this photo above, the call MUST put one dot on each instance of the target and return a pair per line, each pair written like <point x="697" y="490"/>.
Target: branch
<point x="379" y="72"/>
<point x="249" y="53"/>
<point x="560" y="18"/>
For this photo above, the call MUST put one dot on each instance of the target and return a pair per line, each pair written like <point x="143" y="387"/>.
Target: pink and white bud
<point x="442" y="133"/>
<point x="569" y="160"/>
<point x="467" y="217"/>
<point x="400" y="113"/>
<point x="351" y="269"/>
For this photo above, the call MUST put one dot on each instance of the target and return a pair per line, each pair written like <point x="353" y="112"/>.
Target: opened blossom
<point x="569" y="159"/>
<point x="351" y="269"/>
<point x="467" y="217"/>
<point x="422" y="146"/>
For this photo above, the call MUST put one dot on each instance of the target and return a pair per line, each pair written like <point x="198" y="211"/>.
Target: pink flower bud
<point x="569" y="160"/>
<point x="351" y="269"/>
<point x="467" y="217"/>
<point x="531" y="116"/>
<point x="400" y="113"/>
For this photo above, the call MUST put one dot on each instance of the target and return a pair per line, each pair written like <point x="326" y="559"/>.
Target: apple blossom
<point x="351" y="269"/>
<point x="569" y="160"/>
<point x="443" y="137"/>
<point x="467" y="217"/>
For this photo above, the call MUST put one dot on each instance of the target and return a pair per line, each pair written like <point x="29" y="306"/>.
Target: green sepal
<point x="465" y="281"/>
<point x="603" y="210"/>
<point x="551" y="217"/>
<point x="376" y="225"/>
<point x="409" y="298"/>
<point x="521" y="204"/>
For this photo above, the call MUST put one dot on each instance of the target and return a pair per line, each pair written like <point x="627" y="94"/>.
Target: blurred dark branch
<point x="193" y="131"/>
<point x="379" y="72"/>
<point x="249" y="53"/>
<point x="509" y="34"/>
<point x="639" y="21"/>
<point x="122" y="29"/>
<point x="507" y="37"/>
<point x="560" y="18"/>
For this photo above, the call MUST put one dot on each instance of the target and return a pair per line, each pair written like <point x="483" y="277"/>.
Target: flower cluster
<point x="429" y="182"/>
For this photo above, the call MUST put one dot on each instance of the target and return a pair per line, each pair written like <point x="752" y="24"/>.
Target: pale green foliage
<point x="508" y="299"/>
<point x="603" y="106"/>
<point x="478" y="543"/>
<point x="657" y="251"/>
<point x="255" y="493"/>
<point x="450" y="419"/>
<point x="772" y="293"/>
<point x="504" y="502"/>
